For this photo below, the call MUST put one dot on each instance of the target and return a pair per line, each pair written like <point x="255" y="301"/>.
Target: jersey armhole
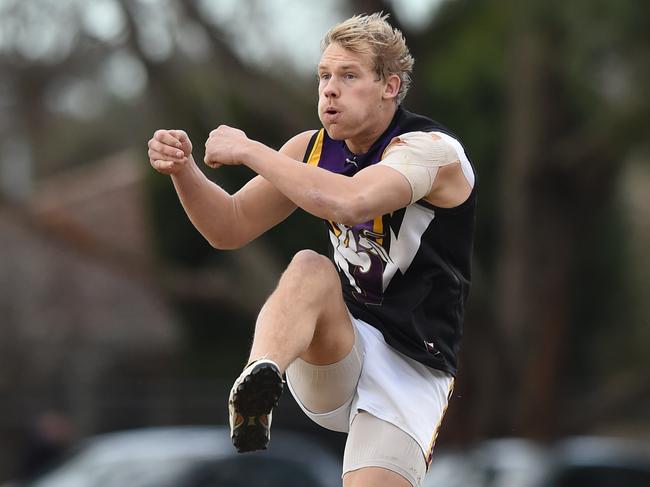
<point x="314" y="148"/>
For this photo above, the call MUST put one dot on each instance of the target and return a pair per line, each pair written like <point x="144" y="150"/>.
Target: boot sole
<point x="254" y="399"/>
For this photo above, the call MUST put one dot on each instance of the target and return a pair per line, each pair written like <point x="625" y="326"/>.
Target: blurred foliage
<point x="583" y="80"/>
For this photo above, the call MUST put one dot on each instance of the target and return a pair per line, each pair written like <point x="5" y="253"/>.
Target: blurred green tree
<point x="551" y="101"/>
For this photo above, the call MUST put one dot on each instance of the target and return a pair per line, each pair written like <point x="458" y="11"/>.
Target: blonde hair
<point x="373" y="35"/>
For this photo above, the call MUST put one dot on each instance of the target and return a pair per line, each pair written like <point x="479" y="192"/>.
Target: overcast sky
<point x="46" y="27"/>
<point x="268" y="32"/>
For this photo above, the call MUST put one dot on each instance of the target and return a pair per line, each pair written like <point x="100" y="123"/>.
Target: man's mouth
<point x="331" y="115"/>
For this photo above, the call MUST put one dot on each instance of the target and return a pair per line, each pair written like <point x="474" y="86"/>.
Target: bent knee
<point x="309" y="261"/>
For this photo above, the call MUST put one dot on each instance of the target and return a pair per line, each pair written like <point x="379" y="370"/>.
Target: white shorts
<point x="392" y="387"/>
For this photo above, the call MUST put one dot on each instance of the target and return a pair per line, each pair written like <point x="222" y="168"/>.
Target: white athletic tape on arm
<point x="418" y="156"/>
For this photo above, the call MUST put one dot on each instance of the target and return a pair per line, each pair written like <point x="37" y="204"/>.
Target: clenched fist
<point x="225" y="147"/>
<point x="169" y="151"/>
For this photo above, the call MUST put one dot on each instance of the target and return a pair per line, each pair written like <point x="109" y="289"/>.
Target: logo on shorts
<point x="431" y="348"/>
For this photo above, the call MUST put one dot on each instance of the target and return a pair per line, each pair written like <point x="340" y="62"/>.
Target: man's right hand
<point x="169" y="151"/>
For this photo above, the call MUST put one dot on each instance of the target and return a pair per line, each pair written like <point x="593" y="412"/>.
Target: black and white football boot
<point x="252" y="398"/>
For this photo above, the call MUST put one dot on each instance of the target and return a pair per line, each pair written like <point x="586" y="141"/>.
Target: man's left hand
<point x="225" y="147"/>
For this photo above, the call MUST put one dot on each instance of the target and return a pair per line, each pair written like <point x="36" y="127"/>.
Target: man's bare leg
<point x="372" y="476"/>
<point x="304" y="317"/>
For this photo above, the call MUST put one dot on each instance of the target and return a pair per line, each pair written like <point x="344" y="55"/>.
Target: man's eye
<point x="350" y="76"/>
<point x="323" y="76"/>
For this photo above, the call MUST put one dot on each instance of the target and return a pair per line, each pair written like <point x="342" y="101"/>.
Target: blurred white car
<point x="192" y="457"/>
<point x="508" y="462"/>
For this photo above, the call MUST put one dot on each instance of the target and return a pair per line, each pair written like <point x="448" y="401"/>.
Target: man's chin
<point x="335" y="132"/>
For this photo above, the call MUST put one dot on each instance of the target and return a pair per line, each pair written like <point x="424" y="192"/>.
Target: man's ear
<point x="392" y="86"/>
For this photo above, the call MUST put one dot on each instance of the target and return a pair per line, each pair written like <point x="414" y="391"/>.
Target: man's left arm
<point x="372" y="192"/>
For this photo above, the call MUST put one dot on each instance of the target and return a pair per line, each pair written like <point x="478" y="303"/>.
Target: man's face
<point x="350" y="94"/>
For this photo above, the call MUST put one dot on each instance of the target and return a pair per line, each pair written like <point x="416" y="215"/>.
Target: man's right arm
<point x="226" y="221"/>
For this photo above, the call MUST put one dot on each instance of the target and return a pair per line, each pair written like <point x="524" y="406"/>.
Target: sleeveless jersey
<point x="406" y="273"/>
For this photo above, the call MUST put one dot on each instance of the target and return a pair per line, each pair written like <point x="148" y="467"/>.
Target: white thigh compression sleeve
<point x="373" y="442"/>
<point x="418" y="156"/>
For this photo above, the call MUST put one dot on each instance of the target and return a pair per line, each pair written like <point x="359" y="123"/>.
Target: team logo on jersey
<point x="431" y="347"/>
<point x="370" y="256"/>
<point x="361" y="257"/>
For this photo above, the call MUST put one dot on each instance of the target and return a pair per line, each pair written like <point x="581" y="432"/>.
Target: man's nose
<point x="331" y="89"/>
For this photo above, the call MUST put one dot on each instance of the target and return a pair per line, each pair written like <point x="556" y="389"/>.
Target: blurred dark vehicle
<point x="192" y="457"/>
<point x="573" y="462"/>
<point x="600" y="462"/>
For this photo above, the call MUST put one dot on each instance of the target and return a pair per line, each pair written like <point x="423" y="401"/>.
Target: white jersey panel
<point x="406" y="243"/>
